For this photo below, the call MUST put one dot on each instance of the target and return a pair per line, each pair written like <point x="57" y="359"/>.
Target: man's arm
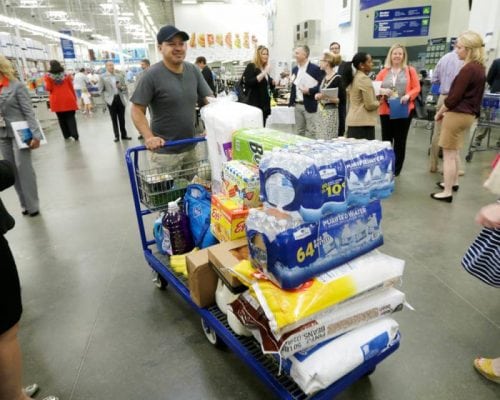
<point x="138" y="114"/>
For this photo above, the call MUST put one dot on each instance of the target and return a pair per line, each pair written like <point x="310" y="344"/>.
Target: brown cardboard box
<point x="202" y="279"/>
<point x="226" y="255"/>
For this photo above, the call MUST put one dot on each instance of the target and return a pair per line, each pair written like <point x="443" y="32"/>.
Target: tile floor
<point x="96" y="328"/>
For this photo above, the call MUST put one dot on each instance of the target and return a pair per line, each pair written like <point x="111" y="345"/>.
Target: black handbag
<point x="482" y="259"/>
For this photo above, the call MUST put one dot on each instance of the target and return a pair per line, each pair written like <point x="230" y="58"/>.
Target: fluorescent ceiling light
<point x="189" y="2"/>
<point x="48" y="32"/>
<point x="144" y="8"/>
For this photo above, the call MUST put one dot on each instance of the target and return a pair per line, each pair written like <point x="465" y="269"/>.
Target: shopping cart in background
<point x="152" y="189"/>
<point x="97" y="99"/>
<point x="489" y="119"/>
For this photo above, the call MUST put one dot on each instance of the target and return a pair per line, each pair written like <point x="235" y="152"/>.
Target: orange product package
<point x="192" y="40"/>
<point x="201" y="40"/>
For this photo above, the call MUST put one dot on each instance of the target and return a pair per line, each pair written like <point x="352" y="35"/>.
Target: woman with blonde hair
<point x="460" y="109"/>
<point x="328" y="122"/>
<point x="258" y="82"/>
<point x="15" y="105"/>
<point x="399" y="81"/>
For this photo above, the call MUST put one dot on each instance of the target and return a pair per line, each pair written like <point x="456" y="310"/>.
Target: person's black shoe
<point x="25" y="212"/>
<point x="126" y="138"/>
<point x="76" y="138"/>
<point x="116" y="139"/>
<point x="34" y="214"/>
<point x="454" y="187"/>
<point x="447" y="199"/>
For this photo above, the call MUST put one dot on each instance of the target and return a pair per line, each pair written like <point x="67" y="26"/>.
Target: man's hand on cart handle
<point x="154" y="142"/>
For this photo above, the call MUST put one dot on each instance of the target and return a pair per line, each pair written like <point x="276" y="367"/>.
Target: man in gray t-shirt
<point x="171" y="88"/>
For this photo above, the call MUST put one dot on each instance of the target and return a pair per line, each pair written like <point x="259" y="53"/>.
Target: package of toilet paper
<point x="292" y="255"/>
<point x="221" y="119"/>
<point x="283" y="308"/>
<point x="319" y="367"/>
<point x="318" y="178"/>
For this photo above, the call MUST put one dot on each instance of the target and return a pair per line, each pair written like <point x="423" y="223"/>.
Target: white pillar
<point x="117" y="30"/>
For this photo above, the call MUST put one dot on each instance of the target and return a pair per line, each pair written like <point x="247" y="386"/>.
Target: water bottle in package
<point x="290" y="252"/>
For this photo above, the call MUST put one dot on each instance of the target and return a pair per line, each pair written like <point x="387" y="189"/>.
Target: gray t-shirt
<point x="172" y="98"/>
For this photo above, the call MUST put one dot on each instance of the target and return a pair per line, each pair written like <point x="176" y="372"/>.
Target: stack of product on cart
<point x="319" y="292"/>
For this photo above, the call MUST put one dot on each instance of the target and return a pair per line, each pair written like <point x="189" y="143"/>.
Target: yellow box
<point x="227" y="218"/>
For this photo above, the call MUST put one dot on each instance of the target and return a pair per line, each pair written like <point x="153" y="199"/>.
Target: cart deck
<point x="214" y="321"/>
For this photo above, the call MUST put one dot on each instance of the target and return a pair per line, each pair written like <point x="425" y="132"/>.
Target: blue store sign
<point x="67" y="46"/>
<point x="364" y="4"/>
<point x="402" y="22"/>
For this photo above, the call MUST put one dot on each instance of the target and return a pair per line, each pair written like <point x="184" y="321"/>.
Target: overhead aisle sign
<point x="67" y="46"/>
<point x="402" y="22"/>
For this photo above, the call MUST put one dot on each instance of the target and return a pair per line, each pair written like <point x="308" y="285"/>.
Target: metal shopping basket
<point x="148" y="196"/>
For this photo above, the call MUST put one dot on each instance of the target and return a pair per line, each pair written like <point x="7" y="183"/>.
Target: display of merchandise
<point x="319" y="178"/>
<point x="322" y="326"/>
<point x="240" y="182"/>
<point x="176" y="233"/>
<point x="250" y="144"/>
<point x="291" y="253"/>
<point x="283" y="307"/>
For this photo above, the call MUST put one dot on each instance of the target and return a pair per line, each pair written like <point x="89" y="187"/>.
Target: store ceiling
<point x="91" y="19"/>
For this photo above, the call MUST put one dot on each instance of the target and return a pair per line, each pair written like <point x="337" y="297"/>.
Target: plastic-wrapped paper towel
<point x="330" y="323"/>
<point x="286" y="307"/>
<point x="221" y="119"/>
<point x="322" y="365"/>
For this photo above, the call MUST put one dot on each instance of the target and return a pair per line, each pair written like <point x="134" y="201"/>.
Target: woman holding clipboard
<point x="328" y="98"/>
<point x="15" y="106"/>
<point x="400" y="87"/>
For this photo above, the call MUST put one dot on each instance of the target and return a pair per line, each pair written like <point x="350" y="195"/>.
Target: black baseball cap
<point x="168" y="32"/>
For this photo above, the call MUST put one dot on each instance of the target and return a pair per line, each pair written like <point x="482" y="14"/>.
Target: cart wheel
<point x="468" y="157"/>
<point x="212" y="336"/>
<point x="159" y="281"/>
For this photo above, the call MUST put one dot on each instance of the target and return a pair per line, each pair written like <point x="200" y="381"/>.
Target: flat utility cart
<point x="150" y="196"/>
<point x="489" y="118"/>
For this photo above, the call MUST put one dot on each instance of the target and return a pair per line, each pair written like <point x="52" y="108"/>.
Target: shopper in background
<point x="363" y="104"/>
<point x="62" y="99"/>
<point x="79" y="82"/>
<point x="113" y="87"/>
<point x="399" y="80"/>
<point x="328" y="121"/>
<point x="145" y="64"/>
<point x="15" y="105"/>
<point x="171" y="87"/>
<point x="344" y="70"/>
<point x="258" y="81"/>
<point x="446" y="70"/>
<point x="493" y="77"/>
<point x="460" y="109"/>
<point x="201" y="62"/>
<point x="302" y="97"/>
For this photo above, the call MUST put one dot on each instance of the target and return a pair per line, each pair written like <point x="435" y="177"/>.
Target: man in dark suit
<point x="302" y="96"/>
<point x="201" y="62"/>
<point x="344" y="70"/>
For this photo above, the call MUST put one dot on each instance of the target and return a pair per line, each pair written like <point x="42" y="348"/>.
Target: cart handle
<point x="132" y="160"/>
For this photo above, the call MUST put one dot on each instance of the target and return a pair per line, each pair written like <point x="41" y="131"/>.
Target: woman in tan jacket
<point x="363" y="104"/>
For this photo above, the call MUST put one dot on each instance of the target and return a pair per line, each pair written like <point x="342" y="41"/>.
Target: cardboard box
<point x="227" y="218"/>
<point x="224" y="256"/>
<point x="202" y="279"/>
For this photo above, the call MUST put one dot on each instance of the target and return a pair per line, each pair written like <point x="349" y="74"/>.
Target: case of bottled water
<point x="315" y="179"/>
<point x="291" y="251"/>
